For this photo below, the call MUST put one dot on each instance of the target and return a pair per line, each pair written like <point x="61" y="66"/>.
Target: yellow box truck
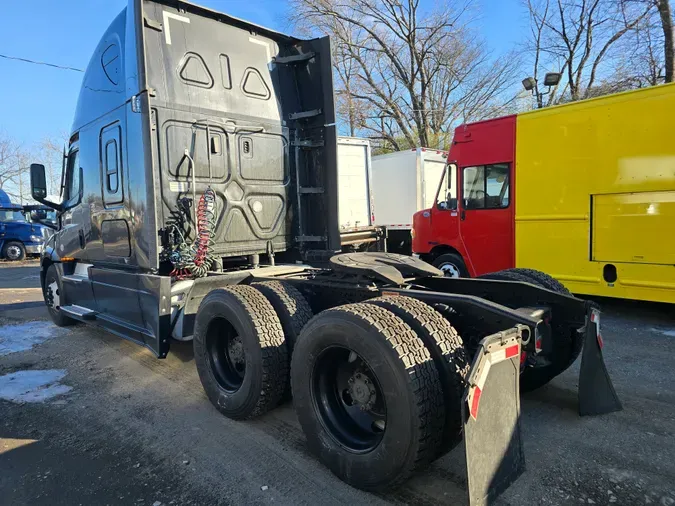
<point x="584" y="191"/>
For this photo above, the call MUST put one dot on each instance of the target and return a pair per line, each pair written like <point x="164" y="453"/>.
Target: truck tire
<point x="507" y="275"/>
<point x="240" y="351"/>
<point x="52" y="295"/>
<point x="447" y="351"/>
<point x="567" y="343"/>
<point x="452" y="265"/>
<point x="542" y="279"/>
<point x="293" y="311"/>
<point x="291" y="306"/>
<point x="14" y="251"/>
<point x="352" y="366"/>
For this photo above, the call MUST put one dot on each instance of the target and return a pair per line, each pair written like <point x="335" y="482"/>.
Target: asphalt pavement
<point x="88" y="418"/>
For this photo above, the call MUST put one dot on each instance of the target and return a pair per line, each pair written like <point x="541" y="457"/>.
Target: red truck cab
<point x="471" y="228"/>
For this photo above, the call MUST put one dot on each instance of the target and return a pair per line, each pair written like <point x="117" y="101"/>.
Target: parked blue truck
<point x="18" y="236"/>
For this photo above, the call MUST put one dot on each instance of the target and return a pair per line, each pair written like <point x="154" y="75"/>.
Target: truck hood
<point x="23" y="228"/>
<point x="421" y="226"/>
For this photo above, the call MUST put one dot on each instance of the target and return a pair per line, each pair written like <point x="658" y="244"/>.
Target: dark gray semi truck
<point x="199" y="202"/>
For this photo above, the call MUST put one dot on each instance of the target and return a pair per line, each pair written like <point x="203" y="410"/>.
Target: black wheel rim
<point x="226" y="354"/>
<point x="348" y="398"/>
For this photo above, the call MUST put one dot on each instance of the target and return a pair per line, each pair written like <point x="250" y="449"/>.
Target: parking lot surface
<point x="88" y="418"/>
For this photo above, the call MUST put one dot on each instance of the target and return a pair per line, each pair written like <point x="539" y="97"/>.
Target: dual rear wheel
<point x="377" y="386"/>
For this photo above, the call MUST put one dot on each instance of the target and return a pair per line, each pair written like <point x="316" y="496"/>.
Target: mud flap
<point x="491" y="414"/>
<point x="596" y="392"/>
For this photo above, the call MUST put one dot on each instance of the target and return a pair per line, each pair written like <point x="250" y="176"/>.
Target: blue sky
<point x="38" y="101"/>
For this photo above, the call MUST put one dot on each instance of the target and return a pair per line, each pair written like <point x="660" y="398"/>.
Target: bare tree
<point x="348" y="109"/>
<point x="50" y="153"/>
<point x="646" y="53"/>
<point x="663" y="6"/>
<point x="640" y="62"/>
<point x="406" y="74"/>
<point x="13" y="164"/>
<point x="579" y="38"/>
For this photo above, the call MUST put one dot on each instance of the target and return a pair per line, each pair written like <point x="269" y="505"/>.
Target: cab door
<point x="486" y="217"/>
<point x="444" y="213"/>
<point x="70" y="240"/>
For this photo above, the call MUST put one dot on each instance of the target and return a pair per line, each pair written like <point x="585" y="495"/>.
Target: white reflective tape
<point x="595" y="318"/>
<point x="497" y="351"/>
<point x="480" y="382"/>
<point x="167" y="16"/>
<point x="498" y="356"/>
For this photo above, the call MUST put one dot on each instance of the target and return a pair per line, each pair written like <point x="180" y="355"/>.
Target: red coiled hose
<point x="204" y="219"/>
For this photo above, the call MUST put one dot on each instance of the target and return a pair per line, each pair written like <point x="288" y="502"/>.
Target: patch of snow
<point x="665" y="332"/>
<point x="32" y="386"/>
<point x="619" y="475"/>
<point x="23" y="336"/>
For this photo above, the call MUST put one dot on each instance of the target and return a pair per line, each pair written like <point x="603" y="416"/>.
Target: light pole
<point x="550" y="79"/>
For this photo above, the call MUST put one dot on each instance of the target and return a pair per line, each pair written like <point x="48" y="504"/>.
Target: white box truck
<point x="403" y="183"/>
<point x="355" y="200"/>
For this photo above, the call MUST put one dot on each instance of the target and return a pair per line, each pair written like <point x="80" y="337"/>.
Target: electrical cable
<point x="26" y="60"/>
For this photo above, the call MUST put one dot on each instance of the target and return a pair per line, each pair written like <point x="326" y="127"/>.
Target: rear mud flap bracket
<point x="491" y="414"/>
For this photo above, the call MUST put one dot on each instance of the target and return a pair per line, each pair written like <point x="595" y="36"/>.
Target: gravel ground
<point x="113" y="425"/>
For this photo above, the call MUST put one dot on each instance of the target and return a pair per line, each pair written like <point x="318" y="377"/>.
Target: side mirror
<point x="38" y="186"/>
<point x="38" y="181"/>
<point x="38" y="215"/>
<point x="452" y="203"/>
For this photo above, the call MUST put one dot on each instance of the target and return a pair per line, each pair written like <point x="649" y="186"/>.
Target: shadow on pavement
<point x="635" y="308"/>
<point x="21" y="305"/>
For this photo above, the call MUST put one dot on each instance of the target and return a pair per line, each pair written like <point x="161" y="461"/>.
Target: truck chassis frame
<point x="500" y="322"/>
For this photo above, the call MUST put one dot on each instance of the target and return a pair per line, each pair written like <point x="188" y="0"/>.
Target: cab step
<point x="79" y="312"/>
<point x="75" y="278"/>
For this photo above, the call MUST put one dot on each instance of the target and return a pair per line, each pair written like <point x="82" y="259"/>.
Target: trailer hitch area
<point x="596" y="391"/>
<point x="537" y="339"/>
<point x="491" y="413"/>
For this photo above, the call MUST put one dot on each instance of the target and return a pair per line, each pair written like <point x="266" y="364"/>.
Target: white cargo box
<point x="404" y="183"/>
<point x="355" y="203"/>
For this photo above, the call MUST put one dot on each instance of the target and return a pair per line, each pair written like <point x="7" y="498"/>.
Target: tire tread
<point x="567" y="344"/>
<point x="270" y="334"/>
<point x="287" y="299"/>
<point x="422" y="377"/>
<point x="446" y="349"/>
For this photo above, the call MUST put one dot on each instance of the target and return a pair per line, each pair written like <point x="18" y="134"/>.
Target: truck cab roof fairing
<point x="103" y="84"/>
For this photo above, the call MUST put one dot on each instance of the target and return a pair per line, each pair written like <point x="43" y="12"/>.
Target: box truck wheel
<point x="452" y="265"/>
<point x="567" y="343"/>
<point x="14" y="251"/>
<point x="542" y="279"/>
<point x="53" y="295"/>
<point x="447" y="351"/>
<point x="367" y="395"/>
<point x="240" y="351"/>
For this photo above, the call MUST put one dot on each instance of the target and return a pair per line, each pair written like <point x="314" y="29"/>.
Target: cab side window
<point x="110" y="153"/>
<point x="447" y="194"/>
<point x="73" y="186"/>
<point x="486" y="186"/>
